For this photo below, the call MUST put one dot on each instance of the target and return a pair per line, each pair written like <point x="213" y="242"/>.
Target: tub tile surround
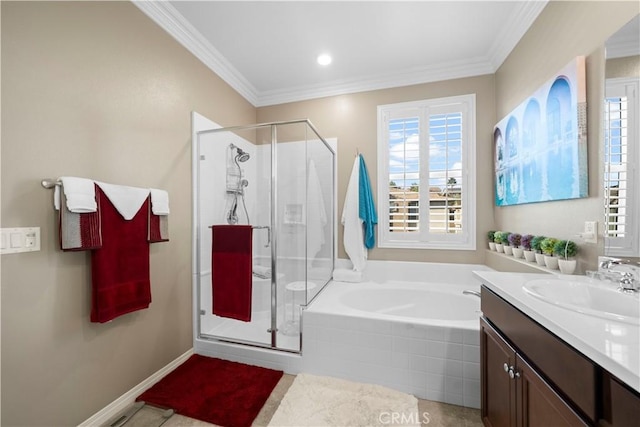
<point x="433" y="363"/>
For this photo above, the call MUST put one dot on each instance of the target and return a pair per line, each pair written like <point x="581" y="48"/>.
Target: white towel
<point x="127" y="200"/>
<point x="262" y="272"/>
<point x="80" y="194"/>
<point x="353" y="235"/>
<point x="159" y="202"/>
<point x="316" y="212"/>
<point x="345" y="275"/>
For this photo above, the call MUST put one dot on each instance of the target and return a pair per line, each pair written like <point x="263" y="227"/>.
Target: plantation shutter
<point x="620" y="174"/>
<point x="445" y="173"/>
<point x="404" y="174"/>
<point x="426" y="150"/>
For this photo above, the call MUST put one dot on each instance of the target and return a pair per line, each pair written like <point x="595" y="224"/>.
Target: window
<point x="621" y="160"/>
<point x="426" y="154"/>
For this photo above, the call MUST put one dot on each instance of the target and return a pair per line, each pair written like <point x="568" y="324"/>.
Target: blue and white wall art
<point x="541" y="147"/>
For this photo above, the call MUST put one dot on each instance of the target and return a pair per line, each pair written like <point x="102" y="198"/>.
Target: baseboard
<point x="121" y="403"/>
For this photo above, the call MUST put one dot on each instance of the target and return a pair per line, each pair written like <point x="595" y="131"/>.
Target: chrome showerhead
<point x="241" y="155"/>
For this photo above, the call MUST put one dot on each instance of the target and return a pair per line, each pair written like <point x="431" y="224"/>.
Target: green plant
<point x="491" y="235"/>
<point x="501" y="237"/>
<point x="535" y="243"/>
<point x="496" y="236"/>
<point x="547" y="245"/>
<point x="565" y="249"/>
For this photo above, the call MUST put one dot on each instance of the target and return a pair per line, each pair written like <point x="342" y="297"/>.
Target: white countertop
<point x="613" y="345"/>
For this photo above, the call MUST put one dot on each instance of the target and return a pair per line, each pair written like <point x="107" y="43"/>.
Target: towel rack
<point x="50" y="183"/>
<point x="261" y="227"/>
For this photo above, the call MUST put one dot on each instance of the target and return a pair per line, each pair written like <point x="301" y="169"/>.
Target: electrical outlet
<point x="590" y="234"/>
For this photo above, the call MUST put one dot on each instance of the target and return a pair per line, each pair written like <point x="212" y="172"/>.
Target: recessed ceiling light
<point x="324" y="59"/>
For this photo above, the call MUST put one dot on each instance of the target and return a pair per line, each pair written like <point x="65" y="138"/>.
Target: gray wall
<point x="93" y="89"/>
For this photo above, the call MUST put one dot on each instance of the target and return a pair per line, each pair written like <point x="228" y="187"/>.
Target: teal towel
<point x="366" y="208"/>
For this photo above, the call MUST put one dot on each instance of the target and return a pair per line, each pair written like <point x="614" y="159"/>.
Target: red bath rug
<point x="218" y="391"/>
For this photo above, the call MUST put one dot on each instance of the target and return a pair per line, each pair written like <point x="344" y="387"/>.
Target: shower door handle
<point x="268" y="233"/>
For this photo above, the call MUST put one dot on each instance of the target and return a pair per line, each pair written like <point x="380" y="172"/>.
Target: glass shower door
<point x="233" y="181"/>
<point x="279" y="179"/>
<point x="304" y="223"/>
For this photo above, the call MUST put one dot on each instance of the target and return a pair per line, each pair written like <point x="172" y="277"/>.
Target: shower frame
<point x="196" y="265"/>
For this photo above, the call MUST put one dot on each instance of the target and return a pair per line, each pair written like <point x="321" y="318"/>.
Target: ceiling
<point x="266" y="50"/>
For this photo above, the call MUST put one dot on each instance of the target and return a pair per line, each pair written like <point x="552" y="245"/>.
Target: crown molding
<point x="440" y="72"/>
<point x="515" y="28"/>
<point x="170" y="20"/>
<point x="623" y="48"/>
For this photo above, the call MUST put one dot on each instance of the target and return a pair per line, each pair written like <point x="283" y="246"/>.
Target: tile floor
<point x="433" y="414"/>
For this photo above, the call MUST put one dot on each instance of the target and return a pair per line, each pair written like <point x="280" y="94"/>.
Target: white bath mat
<point x="323" y="401"/>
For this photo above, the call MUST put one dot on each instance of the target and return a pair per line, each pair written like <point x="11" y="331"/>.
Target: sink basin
<point x="587" y="296"/>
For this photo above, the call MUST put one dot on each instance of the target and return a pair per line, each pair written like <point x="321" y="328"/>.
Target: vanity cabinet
<point x="513" y="393"/>
<point x="530" y="377"/>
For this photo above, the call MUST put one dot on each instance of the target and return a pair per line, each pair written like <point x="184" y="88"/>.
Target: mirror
<point x="621" y="143"/>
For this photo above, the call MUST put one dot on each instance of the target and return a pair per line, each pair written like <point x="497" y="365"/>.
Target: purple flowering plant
<point x="514" y="239"/>
<point x="525" y="242"/>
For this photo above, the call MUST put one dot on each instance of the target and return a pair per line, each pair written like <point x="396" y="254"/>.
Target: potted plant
<point x="547" y="249"/>
<point x="490" y="236"/>
<point x="497" y="238"/>
<point x="525" y="244"/>
<point x="535" y="247"/>
<point x="566" y="251"/>
<point x="515" y="242"/>
<point x="505" y="243"/>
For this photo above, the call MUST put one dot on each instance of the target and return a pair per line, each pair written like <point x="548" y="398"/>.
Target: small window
<point x="426" y="154"/>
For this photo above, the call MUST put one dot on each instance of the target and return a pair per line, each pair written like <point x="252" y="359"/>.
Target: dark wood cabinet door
<point x="538" y="405"/>
<point x="620" y="404"/>
<point x="498" y="389"/>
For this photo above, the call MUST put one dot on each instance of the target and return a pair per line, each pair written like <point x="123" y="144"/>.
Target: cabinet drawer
<point x="573" y="375"/>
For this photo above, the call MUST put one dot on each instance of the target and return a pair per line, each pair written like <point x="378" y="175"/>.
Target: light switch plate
<point x="20" y="239"/>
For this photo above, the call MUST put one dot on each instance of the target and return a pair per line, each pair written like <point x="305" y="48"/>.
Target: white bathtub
<point x="433" y="304"/>
<point x="419" y="336"/>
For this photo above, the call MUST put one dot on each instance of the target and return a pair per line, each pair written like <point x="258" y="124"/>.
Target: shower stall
<point x="279" y="178"/>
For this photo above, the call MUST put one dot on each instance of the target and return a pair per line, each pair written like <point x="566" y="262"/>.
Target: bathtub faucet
<point x="469" y="292"/>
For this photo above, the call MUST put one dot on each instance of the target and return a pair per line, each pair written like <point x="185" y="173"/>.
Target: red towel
<point x="120" y="269"/>
<point x="231" y="265"/>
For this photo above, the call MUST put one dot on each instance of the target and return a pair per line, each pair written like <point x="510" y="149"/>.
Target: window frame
<point x="466" y="240"/>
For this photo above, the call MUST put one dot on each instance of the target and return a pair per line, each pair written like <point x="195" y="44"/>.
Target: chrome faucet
<point x="468" y="292"/>
<point x="620" y="271"/>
